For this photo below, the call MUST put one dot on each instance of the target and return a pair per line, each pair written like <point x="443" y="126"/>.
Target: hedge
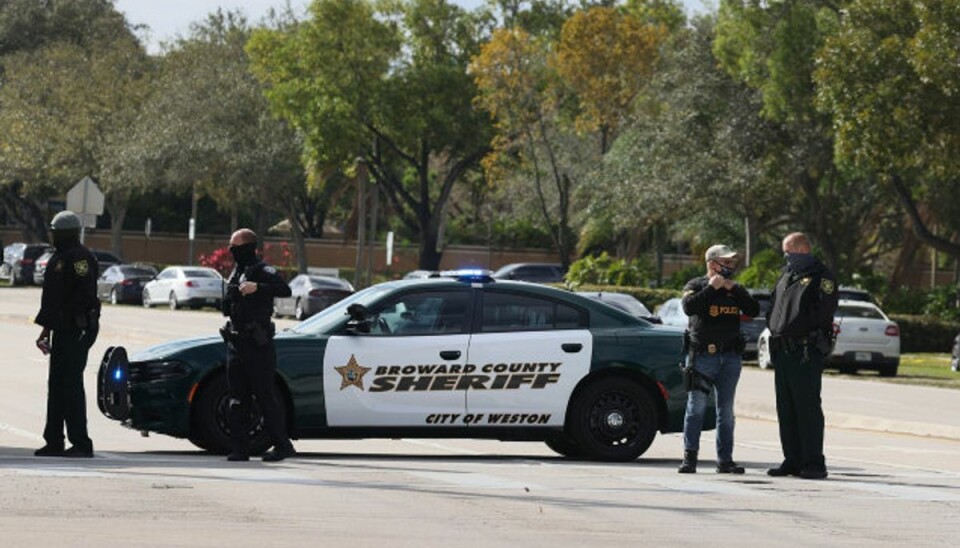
<point x="925" y="333"/>
<point x="651" y="298"/>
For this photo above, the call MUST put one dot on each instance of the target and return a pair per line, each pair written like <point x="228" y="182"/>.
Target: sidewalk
<point x="863" y="405"/>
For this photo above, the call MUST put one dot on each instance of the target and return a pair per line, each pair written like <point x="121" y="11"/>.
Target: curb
<point x="768" y="412"/>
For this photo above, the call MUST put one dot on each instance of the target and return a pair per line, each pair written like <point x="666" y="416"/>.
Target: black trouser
<point x="251" y="372"/>
<point x="799" y="410"/>
<point x="66" y="401"/>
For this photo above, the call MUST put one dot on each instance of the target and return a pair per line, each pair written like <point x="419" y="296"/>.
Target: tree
<point x="889" y="78"/>
<point x="387" y="84"/>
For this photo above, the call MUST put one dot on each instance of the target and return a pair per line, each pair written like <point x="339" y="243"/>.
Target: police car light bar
<point x="469" y="275"/>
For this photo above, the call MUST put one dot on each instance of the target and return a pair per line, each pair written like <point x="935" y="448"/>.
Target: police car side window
<point x="504" y="312"/>
<point x="422" y="313"/>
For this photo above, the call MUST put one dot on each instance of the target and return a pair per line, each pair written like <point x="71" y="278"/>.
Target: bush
<point x="650" y="297"/>
<point x="925" y="333"/>
<point x="605" y="270"/>
<point x="940" y="302"/>
<point x="679" y="279"/>
<point x="764" y="269"/>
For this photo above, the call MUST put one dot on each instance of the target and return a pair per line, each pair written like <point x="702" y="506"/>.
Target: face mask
<point x="798" y="262"/>
<point x="726" y="271"/>
<point x="63" y="239"/>
<point x="245" y="254"/>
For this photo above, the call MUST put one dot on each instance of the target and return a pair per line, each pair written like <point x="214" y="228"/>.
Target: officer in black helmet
<point x="70" y="317"/>
<point x="252" y="360"/>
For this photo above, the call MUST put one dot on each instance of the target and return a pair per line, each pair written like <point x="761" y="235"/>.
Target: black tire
<point x="563" y="446"/>
<point x="209" y="429"/>
<point x="889" y="370"/>
<point x="613" y="419"/>
<point x="847" y="370"/>
<point x="172" y="301"/>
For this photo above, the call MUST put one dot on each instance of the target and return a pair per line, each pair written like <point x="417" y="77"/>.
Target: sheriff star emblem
<point x="805" y="281"/>
<point x="352" y="373"/>
<point x="827" y="286"/>
<point x="81" y="267"/>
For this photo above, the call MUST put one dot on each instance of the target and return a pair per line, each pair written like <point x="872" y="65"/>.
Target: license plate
<point x="863" y="356"/>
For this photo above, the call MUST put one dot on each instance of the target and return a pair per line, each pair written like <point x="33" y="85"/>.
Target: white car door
<point x="531" y="351"/>
<point x="409" y="370"/>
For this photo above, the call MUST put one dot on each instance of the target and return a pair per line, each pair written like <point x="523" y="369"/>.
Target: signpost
<point x="86" y="200"/>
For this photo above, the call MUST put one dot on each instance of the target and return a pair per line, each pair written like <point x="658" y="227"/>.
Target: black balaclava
<point x="244" y="254"/>
<point x="65" y="239"/>
<point x="800" y="262"/>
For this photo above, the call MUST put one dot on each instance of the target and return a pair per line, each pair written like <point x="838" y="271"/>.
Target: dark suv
<point x="18" y="261"/>
<point x="542" y="273"/>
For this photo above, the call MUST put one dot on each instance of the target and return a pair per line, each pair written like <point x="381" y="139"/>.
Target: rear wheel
<point x="613" y="419"/>
<point x="889" y="370"/>
<point x="210" y="428"/>
<point x="113" y="297"/>
<point x="172" y="301"/>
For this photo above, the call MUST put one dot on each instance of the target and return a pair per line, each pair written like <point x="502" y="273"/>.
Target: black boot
<point x="689" y="464"/>
<point x="279" y="452"/>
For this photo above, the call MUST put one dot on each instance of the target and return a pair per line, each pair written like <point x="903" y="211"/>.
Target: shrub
<point x="219" y="259"/>
<point x="679" y="279"/>
<point x="605" y="270"/>
<point x="763" y="271"/>
<point x="925" y="333"/>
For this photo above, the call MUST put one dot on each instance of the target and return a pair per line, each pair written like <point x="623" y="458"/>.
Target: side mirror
<point x="358" y="312"/>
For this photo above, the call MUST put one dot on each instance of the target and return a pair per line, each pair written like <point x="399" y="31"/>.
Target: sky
<point x="167" y="19"/>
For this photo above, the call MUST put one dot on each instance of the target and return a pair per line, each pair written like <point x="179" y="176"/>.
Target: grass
<point x="927" y="369"/>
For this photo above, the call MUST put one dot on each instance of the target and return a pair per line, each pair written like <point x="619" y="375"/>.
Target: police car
<point x="447" y="357"/>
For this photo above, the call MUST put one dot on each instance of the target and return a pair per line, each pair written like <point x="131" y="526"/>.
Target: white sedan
<point x="179" y="286"/>
<point x="866" y="339"/>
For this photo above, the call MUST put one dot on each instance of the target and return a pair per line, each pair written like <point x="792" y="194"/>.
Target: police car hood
<point x="169" y="349"/>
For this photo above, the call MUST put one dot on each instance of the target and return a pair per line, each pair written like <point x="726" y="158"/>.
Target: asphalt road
<point x="885" y="488"/>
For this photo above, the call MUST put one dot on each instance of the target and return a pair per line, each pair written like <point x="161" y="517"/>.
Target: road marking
<point x="473" y="480"/>
<point x="696" y="487"/>
<point x="20" y="432"/>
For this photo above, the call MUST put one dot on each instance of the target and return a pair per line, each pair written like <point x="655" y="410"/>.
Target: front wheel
<point x="889" y="370"/>
<point x="613" y="419"/>
<point x="299" y="313"/>
<point x="563" y="445"/>
<point x="113" y="297"/>
<point x="146" y="299"/>
<point x="172" y="301"/>
<point x="210" y="428"/>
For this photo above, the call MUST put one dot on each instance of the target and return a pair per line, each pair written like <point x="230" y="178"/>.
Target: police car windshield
<point x="331" y="317"/>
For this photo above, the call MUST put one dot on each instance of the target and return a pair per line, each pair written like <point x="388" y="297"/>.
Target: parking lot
<point x="893" y="453"/>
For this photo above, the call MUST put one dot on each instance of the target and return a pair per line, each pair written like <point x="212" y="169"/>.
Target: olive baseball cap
<point x="720" y="251"/>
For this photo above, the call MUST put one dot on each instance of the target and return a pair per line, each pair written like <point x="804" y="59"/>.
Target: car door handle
<point x="571" y="348"/>
<point x="449" y="354"/>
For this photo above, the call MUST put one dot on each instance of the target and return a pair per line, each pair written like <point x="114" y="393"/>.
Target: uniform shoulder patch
<point x="828" y="286"/>
<point x="269" y="269"/>
<point x="81" y="267"/>
<point x="806" y="280"/>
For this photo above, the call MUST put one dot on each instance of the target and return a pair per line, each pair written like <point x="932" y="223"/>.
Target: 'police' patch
<point x="828" y="286"/>
<point x="81" y="267"/>
<point x="269" y="270"/>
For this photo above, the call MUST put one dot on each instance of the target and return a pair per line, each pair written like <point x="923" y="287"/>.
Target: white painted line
<point x="904" y="492"/>
<point x="20" y="432"/>
<point x="474" y="481"/>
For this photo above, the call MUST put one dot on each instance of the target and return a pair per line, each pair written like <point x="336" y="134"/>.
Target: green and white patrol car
<point x="434" y="358"/>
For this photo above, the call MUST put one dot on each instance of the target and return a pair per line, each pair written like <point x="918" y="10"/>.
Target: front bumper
<point x="145" y="396"/>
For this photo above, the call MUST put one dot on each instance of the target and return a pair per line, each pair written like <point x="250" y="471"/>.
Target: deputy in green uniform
<point x="801" y="339"/>
<point x="70" y="316"/>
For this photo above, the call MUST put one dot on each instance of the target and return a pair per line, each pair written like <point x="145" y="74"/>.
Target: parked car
<point x="123" y="283"/>
<point x="311" y="294"/>
<point x="40" y="266"/>
<point x="179" y="286"/>
<point x="955" y="355"/>
<point x="622" y="301"/>
<point x="752" y="327"/>
<point x="542" y="273"/>
<point x="105" y="259"/>
<point x="866" y="339"/>
<point x="671" y="313"/>
<point x="19" y="260"/>
<point x="855" y="294"/>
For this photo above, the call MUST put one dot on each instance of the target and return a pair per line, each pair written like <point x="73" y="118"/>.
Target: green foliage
<point x="679" y="279"/>
<point x="925" y="333"/>
<point x="606" y="270"/>
<point x="763" y="271"/>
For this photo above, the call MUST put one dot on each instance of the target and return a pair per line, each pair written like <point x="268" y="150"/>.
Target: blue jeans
<point x="724" y="370"/>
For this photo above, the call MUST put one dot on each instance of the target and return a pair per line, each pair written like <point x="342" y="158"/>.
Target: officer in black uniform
<point x="252" y="360"/>
<point x="801" y="339"/>
<point x="70" y="316"/>
<point x="714" y="304"/>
